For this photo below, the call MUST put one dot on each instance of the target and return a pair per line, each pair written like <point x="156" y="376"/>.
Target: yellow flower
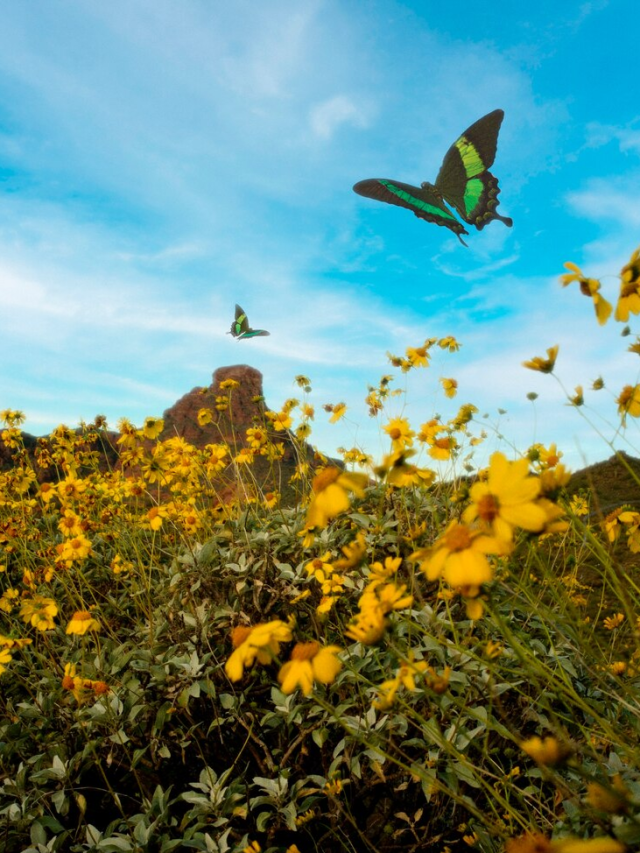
<point x="39" y="612"/>
<point x="493" y="649"/>
<point x="280" y="420"/>
<point x="229" y="384"/>
<point x="588" y="287"/>
<point x="353" y="553"/>
<point x="405" y="677"/>
<point x="367" y="628"/>
<point x="330" y="496"/>
<point x="261" y="642"/>
<point x="384" y="599"/>
<point x="611" y="799"/>
<point x="320" y="567"/>
<point x="245" y="457"/>
<point x="442" y="448"/>
<point x="418" y="356"/>
<point x="578" y="397"/>
<point x="309" y="662"/>
<point x="271" y="499"/>
<point x="506" y="499"/>
<point x="155" y="517"/>
<point x="70" y="524"/>
<point x="450" y="387"/>
<point x="152" y="427"/>
<point x="530" y="842"/>
<point x="5" y="658"/>
<point x="449" y="343"/>
<point x="612" y="622"/>
<point x="629" y="300"/>
<point x="544" y="365"/>
<point x="204" y="417"/>
<point x="339" y="411"/>
<point x="400" y="474"/>
<point x="77" y="548"/>
<point x="629" y="401"/>
<point x="547" y="752"/>
<point x="460" y="556"/>
<point x="256" y="436"/>
<point x="81" y="622"/>
<point x="399" y="432"/>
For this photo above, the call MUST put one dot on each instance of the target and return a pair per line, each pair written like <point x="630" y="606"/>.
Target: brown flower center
<point x="488" y="508"/>
<point x="305" y="651"/>
<point x="325" y="478"/>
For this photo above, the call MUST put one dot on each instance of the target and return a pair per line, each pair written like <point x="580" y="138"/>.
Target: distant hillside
<point x="612" y="483"/>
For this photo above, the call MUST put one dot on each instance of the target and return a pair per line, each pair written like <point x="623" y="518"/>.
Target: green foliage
<point x="479" y="712"/>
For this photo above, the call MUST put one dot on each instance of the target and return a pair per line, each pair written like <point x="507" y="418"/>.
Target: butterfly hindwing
<point x="464" y="179"/>
<point x="422" y="201"/>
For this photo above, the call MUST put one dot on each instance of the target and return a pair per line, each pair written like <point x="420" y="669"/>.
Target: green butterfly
<point x="240" y="327"/>
<point x="464" y="182"/>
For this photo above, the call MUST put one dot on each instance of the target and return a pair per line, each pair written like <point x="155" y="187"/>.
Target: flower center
<point x="458" y="539"/>
<point x="305" y="651"/>
<point x="325" y="478"/>
<point x="488" y="508"/>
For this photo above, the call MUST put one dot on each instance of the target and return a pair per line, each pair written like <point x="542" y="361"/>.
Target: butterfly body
<point x="240" y="327"/>
<point x="464" y="182"/>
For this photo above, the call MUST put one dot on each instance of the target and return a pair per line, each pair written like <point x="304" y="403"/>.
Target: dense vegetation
<point x="395" y="662"/>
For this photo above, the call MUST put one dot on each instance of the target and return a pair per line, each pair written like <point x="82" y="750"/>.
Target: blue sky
<point x="160" y="161"/>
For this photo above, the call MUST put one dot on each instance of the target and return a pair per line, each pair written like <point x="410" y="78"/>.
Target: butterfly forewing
<point x="464" y="178"/>
<point x="422" y="201"/>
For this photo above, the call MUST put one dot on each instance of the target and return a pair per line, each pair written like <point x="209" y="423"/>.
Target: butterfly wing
<point x="464" y="178"/>
<point x="241" y="324"/>
<point x="255" y="333"/>
<point x="422" y="201"/>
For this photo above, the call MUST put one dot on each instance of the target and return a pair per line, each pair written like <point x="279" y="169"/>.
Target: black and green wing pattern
<point x="464" y="179"/>
<point x="240" y="327"/>
<point x="464" y="182"/>
<point x="423" y="201"/>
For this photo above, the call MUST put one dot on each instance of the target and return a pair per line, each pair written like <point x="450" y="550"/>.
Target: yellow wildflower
<point x="546" y="752"/>
<point x="460" y="556"/>
<point x="339" y="411"/>
<point x="544" y="365"/>
<point x="450" y="387"/>
<point x="629" y="300"/>
<point x="399" y="432"/>
<point x="629" y="401"/>
<point x="39" y="612"/>
<point x="506" y="499"/>
<point x="309" y="662"/>
<point x="330" y="496"/>
<point x="261" y="642"/>
<point x="152" y="427"/>
<point x="81" y="622"/>
<point x="588" y="287"/>
<point x="204" y="417"/>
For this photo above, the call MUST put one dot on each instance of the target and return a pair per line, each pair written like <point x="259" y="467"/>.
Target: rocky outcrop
<point x="245" y="408"/>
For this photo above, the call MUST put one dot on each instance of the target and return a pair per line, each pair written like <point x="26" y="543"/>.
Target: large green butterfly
<point x="464" y="181"/>
<point x="240" y="327"/>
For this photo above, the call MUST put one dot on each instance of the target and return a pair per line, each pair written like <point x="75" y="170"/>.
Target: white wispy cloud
<point x="325" y="118"/>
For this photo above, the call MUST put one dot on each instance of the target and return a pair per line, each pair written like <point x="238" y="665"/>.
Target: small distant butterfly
<point x="240" y="327"/>
<point x="464" y="182"/>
